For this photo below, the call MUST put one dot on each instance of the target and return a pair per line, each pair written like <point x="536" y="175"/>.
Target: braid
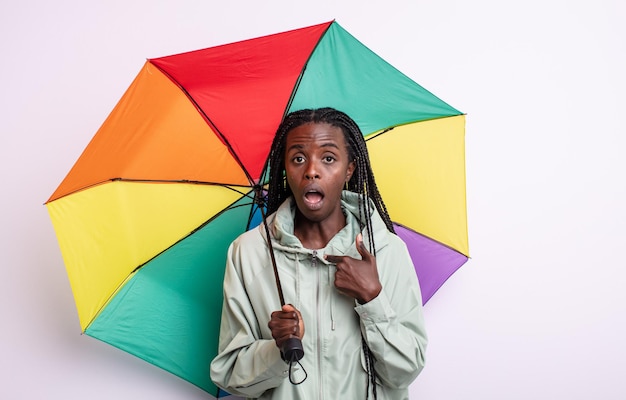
<point x="361" y="182"/>
<point x="278" y="190"/>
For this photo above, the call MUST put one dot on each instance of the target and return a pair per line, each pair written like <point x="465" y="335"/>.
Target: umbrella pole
<point x="291" y="350"/>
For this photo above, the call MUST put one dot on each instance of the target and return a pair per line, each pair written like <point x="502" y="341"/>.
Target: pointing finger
<point x="333" y="259"/>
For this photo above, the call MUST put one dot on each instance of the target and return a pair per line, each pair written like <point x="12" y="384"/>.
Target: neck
<point x="317" y="234"/>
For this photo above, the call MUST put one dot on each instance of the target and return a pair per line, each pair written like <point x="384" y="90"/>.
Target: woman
<point x="353" y="295"/>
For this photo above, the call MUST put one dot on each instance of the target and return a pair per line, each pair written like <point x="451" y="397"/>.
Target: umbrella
<point x="146" y="214"/>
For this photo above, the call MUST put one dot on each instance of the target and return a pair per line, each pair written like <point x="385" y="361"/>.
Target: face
<point x="317" y="167"/>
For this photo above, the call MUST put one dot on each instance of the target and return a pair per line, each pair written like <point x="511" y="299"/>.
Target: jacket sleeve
<point x="393" y="322"/>
<point x="246" y="364"/>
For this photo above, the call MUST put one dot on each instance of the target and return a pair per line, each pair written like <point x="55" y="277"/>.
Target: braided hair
<point x="361" y="182"/>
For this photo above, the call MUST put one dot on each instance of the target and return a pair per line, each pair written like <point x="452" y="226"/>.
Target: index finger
<point x="333" y="259"/>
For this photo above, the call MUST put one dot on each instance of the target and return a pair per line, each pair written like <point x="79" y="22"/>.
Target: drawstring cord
<point x="298" y="302"/>
<point x="332" y="301"/>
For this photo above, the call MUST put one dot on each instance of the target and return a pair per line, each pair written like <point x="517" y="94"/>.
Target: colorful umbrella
<point x="145" y="216"/>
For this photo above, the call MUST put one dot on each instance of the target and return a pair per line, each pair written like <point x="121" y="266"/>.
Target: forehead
<point x="313" y="133"/>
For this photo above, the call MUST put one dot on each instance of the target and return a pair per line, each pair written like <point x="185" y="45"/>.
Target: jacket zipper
<point x="319" y="320"/>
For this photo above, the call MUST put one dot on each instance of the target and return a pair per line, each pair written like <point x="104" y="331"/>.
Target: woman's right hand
<point x="285" y="324"/>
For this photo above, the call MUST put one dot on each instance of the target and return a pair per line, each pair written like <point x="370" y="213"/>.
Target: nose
<point x="311" y="171"/>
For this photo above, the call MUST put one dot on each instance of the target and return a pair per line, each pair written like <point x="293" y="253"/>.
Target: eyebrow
<point x="327" y="144"/>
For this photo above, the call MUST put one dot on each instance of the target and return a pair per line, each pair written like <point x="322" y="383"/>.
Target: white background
<point x="539" y="312"/>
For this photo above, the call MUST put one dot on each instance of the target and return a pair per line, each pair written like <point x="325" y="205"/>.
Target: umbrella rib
<point x="295" y="89"/>
<point x="232" y="206"/>
<point x="300" y="76"/>
<point x="230" y="186"/>
<point x="210" y="122"/>
<point x="375" y="135"/>
<point x="132" y="273"/>
<point x="429" y="238"/>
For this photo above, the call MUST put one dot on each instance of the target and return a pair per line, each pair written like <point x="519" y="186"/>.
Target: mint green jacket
<point x="249" y="364"/>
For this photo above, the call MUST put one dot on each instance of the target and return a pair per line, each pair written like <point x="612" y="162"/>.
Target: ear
<point x="350" y="170"/>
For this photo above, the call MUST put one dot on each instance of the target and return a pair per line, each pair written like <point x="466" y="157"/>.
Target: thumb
<point x="288" y="308"/>
<point x="291" y="308"/>
<point x="360" y="247"/>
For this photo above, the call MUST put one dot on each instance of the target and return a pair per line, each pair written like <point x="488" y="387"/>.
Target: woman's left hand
<point x="357" y="278"/>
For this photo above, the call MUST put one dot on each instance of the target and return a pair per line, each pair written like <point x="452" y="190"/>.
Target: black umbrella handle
<point x="292" y="350"/>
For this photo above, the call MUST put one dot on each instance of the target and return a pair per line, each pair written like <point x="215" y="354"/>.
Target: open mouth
<point x="313" y="197"/>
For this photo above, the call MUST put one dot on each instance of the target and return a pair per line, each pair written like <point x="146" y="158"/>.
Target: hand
<point x="285" y="324"/>
<point x="357" y="278"/>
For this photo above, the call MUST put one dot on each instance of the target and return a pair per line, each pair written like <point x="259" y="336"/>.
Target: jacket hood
<point x="281" y="226"/>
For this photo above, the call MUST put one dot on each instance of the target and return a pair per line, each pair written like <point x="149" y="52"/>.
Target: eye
<point x="328" y="159"/>
<point x="298" y="159"/>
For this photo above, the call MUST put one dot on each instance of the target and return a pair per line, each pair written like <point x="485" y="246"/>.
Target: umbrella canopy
<point x="146" y="214"/>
